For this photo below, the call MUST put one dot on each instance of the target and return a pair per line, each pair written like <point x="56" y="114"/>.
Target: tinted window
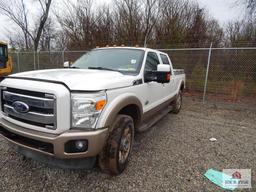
<point x="2" y="58"/>
<point x="1" y="52"/>
<point x="151" y="62"/>
<point x="123" y="60"/>
<point x="164" y="59"/>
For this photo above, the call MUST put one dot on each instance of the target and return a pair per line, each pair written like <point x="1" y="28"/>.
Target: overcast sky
<point x="222" y="10"/>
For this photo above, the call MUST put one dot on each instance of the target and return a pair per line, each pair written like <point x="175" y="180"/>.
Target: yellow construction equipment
<point x="5" y="60"/>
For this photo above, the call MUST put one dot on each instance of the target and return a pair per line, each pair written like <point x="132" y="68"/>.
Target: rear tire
<point x="177" y="103"/>
<point x="115" y="155"/>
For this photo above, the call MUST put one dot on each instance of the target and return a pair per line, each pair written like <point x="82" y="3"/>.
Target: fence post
<point x="38" y="60"/>
<point x="18" y="60"/>
<point x="207" y="72"/>
<point x="34" y="60"/>
<point x="63" y="56"/>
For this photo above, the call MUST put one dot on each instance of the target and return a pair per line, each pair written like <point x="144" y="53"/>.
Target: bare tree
<point x="151" y="16"/>
<point x="251" y="5"/>
<point x="241" y="33"/>
<point x="215" y="33"/>
<point x="128" y="21"/>
<point x="48" y="37"/>
<point x="131" y="22"/>
<point x="45" y="8"/>
<point x="78" y="22"/>
<point x="103" y="33"/>
<point x="197" y="34"/>
<point x="17" y="12"/>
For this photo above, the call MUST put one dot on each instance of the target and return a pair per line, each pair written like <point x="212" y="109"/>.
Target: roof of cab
<point x="123" y="47"/>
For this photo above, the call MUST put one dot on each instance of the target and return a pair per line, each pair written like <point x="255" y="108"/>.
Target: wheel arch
<point x="182" y="86"/>
<point x="126" y="105"/>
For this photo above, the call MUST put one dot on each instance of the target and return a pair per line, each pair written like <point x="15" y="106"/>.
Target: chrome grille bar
<point x="30" y="100"/>
<point x="37" y="117"/>
<point x="41" y="107"/>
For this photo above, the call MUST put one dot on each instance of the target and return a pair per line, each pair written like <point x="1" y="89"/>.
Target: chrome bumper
<point x="53" y="145"/>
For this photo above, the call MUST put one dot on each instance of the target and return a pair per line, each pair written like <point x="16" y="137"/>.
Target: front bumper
<point x="53" y="145"/>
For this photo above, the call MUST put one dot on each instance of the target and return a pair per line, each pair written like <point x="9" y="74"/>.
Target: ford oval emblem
<point x="20" y="107"/>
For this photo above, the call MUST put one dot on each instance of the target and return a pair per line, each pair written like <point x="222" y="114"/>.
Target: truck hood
<point x="81" y="79"/>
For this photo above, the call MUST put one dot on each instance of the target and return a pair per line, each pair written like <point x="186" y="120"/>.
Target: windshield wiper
<point x="104" y="68"/>
<point x="74" y="67"/>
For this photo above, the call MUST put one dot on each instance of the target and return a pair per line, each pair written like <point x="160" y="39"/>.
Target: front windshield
<point x="122" y="60"/>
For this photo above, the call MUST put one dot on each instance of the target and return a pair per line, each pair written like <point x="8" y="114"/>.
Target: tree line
<point x="81" y="24"/>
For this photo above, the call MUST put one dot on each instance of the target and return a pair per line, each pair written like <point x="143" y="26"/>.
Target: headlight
<point x="86" y="109"/>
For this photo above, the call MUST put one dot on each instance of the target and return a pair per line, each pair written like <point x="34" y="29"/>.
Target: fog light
<point x="80" y="145"/>
<point x="76" y="146"/>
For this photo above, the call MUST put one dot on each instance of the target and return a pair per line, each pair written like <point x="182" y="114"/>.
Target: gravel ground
<point x="172" y="156"/>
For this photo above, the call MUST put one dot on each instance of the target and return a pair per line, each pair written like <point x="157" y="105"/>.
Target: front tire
<point x="115" y="155"/>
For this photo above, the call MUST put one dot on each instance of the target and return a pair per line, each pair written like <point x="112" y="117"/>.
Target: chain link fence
<point x="230" y="78"/>
<point x="231" y="74"/>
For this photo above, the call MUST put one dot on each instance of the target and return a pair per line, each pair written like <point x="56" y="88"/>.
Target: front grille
<point x="35" y="108"/>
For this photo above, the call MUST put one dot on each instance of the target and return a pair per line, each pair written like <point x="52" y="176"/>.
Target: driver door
<point x="154" y="91"/>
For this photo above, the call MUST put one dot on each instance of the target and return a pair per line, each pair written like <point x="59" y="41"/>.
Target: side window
<point x="165" y="59"/>
<point x="1" y="52"/>
<point x="151" y="62"/>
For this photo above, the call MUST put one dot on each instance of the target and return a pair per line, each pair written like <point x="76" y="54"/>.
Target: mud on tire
<point x="115" y="155"/>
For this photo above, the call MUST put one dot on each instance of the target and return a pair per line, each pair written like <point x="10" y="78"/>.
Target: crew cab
<point x="89" y="111"/>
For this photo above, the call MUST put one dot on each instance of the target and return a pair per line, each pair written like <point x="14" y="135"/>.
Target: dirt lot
<point x="172" y="156"/>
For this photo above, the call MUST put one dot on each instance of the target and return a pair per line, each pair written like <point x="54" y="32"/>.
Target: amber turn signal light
<point x="100" y="104"/>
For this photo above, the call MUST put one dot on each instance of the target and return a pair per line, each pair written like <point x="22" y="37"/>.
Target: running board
<point x="153" y="120"/>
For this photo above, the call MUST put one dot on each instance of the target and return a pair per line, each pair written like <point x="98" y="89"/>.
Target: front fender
<point x="115" y="106"/>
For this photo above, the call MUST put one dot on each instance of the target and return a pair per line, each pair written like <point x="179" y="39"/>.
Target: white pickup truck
<point x="91" y="110"/>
